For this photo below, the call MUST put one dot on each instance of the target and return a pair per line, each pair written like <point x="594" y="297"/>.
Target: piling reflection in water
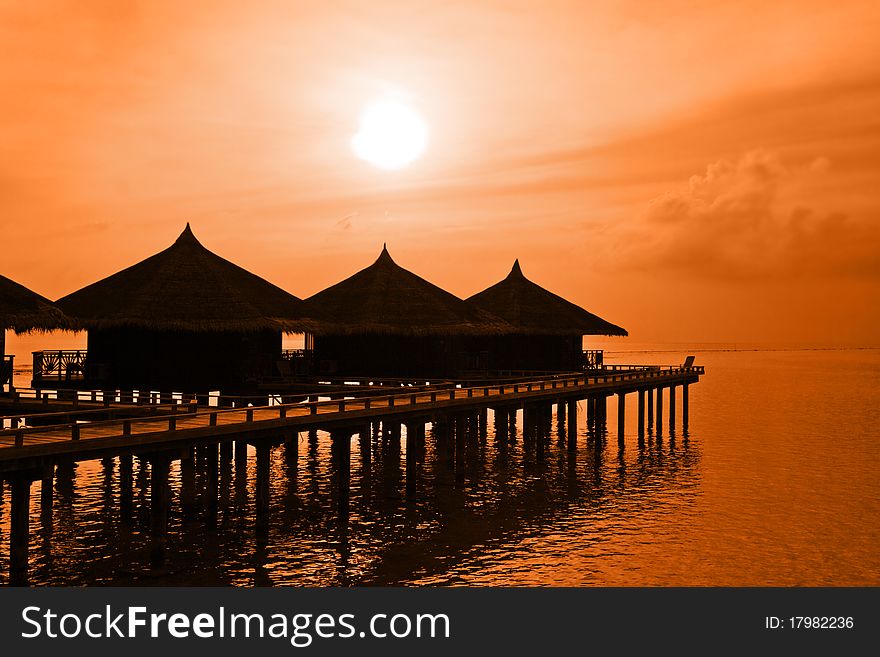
<point x="417" y="501"/>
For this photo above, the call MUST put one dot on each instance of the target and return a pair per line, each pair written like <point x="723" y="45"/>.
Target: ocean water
<point x="776" y="482"/>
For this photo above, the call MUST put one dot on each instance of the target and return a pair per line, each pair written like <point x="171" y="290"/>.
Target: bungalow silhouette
<point x="547" y="330"/>
<point x="385" y="321"/>
<point x="184" y="319"/>
<point x="22" y="311"/>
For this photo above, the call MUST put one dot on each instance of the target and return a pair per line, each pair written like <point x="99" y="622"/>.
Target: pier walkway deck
<point x="23" y="448"/>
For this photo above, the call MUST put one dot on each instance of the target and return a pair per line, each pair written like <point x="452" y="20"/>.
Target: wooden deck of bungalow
<point x="113" y="424"/>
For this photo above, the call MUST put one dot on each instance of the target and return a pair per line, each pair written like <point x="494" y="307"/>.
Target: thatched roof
<point x="387" y="299"/>
<point x="22" y="310"/>
<point x="186" y="287"/>
<point x="532" y="309"/>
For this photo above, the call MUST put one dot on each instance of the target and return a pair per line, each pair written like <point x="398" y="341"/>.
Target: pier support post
<point x="640" y="420"/>
<point x="365" y="445"/>
<point x="671" y="409"/>
<point x="159" y="496"/>
<point x="411" y="447"/>
<point x="560" y="412"/>
<point x="212" y="491"/>
<point x="241" y="455"/>
<point x="572" y="423"/>
<point x="341" y="447"/>
<point x="19" y="529"/>
<point x="126" y="468"/>
<point x="226" y="451"/>
<point x="660" y="411"/>
<point x="650" y="394"/>
<point x="459" y="434"/>
<point x="621" y="419"/>
<point x="187" y="483"/>
<point x="47" y="487"/>
<point x="502" y="428"/>
<point x="684" y="407"/>
<point x="264" y="452"/>
<point x="291" y="451"/>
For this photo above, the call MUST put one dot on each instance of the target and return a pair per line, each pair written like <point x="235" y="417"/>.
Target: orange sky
<point x="690" y="171"/>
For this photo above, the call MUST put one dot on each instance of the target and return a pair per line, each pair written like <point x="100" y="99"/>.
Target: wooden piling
<point x="261" y="494"/>
<point x="572" y="424"/>
<point x="684" y="407"/>
<point x="47" y="488"/>
<point x="159" y="496"/>
<point x="19" y="529"/>
<point x="341" y="446"/>
<point x="621" y="419"/>
<point x="241" y="457"/>
<point x="126" y="468"/>
<point x="671" y="409"/>
<point x="650" y="394"/>
<point x="411" y="447"/>
<point x="502" y="428"/>
<point x="212" y="490"/>
<point x="226" y="451"/>
<point x="641" y="414"/>
<point x="659" y="430"/>
<point x="187" y="483"/>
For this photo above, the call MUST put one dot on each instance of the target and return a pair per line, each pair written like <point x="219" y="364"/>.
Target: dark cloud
<point x="752" y="218"/>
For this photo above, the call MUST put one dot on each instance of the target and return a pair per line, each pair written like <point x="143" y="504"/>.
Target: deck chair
<point x="688" y="363"/>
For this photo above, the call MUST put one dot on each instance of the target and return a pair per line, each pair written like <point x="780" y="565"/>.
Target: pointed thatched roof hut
<point x="186" y="287"/>
<point x="387" y="321"/>
<point x="184" y="319"/>
<point x="22" y="310"/>
<point x="535" y="310"/>
<point x="387" y="299"/>
<point x="548" y="332"/>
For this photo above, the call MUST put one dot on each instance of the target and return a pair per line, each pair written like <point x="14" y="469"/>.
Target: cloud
<point x="752" y="218"/>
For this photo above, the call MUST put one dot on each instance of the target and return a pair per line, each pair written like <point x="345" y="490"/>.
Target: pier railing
<point x="593" y="359"/>
<point x="6" y="367"/>
<point x="425" y="400"/>
<point x="59" y="365"/>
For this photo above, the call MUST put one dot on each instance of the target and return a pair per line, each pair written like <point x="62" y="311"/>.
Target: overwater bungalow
<point x="184" y="319"/>
<point x="549" y="330"/>
<point x="385" y="321"/>
<point x="22" y="310"/>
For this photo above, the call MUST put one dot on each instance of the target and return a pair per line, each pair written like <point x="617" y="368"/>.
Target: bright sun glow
<point x="391" y="135"/>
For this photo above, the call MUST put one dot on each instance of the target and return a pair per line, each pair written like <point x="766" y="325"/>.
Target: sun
<point x="391" y="135"/>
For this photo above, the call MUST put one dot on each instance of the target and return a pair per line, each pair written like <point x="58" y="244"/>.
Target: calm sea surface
<point x="776" y="483"/>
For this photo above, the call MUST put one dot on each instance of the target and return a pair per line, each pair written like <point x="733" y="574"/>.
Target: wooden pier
<point x="161" y="434"/>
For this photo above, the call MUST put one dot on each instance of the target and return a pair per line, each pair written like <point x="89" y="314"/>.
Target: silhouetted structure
<point x="23" y="310"/>
<point x="387" y="321"/>
<point x="548" y="330"/>
<point x="184" y="319"/>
